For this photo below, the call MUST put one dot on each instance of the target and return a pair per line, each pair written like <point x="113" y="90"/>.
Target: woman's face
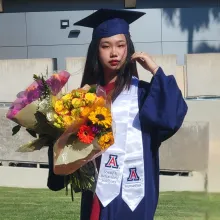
<point x="113" y="52"/>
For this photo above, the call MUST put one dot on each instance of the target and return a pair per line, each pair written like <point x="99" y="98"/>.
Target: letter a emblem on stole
<point x="133" y="176"/>
<point x="112" y="161"/>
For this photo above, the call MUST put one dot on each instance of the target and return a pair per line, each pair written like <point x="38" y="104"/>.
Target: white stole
<point x="122" y="165"/>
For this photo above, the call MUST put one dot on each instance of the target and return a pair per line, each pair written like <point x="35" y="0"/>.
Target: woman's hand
<point x="146" y="61"/>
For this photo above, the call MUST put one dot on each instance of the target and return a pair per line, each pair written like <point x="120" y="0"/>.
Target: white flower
<point x="44" y="106"/>
<point x="50" y="116"/>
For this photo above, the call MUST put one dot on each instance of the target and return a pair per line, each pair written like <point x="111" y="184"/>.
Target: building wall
<point x="20" y="177"/>
<point x="190" y="157"/>
<point x="31" y="29"/>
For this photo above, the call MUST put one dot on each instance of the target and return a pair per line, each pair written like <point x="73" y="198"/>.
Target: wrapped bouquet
<point x="78" y="123"/>
<point x="85" y="116"/>
<point x="29" y="107"/>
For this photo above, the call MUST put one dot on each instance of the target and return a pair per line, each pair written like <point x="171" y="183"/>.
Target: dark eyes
<point x="106" y="46"/>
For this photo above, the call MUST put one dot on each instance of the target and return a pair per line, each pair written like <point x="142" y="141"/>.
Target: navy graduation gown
<point x="54" y="182"/>
<point x="162" y="110"/>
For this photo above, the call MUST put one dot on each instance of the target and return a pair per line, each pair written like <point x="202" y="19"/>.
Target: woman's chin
<point x="113" y="68"/>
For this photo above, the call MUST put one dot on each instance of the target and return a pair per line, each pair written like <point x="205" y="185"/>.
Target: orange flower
<point x="85" y="134"/>
<point x="100" y="101"/>
<point x="84" y="111"/>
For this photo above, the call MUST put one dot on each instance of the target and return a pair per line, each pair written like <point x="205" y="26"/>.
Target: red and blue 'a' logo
<point x="133" y="176"/>
<point x="112" y="162"/>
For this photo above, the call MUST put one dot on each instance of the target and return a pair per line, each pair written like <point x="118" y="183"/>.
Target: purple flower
<point x="33" y="95"/>
<point x="55" y="85"/>
<point x="34" y="92"/>
<point x="11" y="113"/>
<point x="95" y="129"/>
<point x="17" y="105"/>
<point x="40" y="85"/>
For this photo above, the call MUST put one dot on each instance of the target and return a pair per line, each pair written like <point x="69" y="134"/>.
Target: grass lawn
<point x="43" y="204"/>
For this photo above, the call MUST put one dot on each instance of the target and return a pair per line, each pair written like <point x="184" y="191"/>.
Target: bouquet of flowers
<point x="78" y="123"/>
<point x="29" y="107"/>
<point x="85" y="114"/>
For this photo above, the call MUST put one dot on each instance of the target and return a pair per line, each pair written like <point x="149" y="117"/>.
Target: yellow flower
<point x="101" y="116"/>
<point x="76" y="102"/>
<point x="67" y="97"/>
<point x="60" y="108"/>
<point x="106" y="140"/>
<point x="68" y="120"/>
<point x="67" y="100"/>
<point x="59" y="105"/>
<point x="90" y="97"/>
<point x="75" y="112"/>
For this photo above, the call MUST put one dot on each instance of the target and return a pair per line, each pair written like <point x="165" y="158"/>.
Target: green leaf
<point x="33" y="145"/>
<point x="40" y="117"/>
<point x="32" y="133"/>
<point x="36" y="77"/>
<point x="16" y="129"/>
<point x="92" y="90"/>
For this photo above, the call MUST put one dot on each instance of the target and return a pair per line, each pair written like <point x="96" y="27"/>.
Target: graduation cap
<point x="109" y="22"/>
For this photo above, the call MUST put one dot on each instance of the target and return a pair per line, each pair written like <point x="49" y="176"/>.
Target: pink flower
<point x="57" y="81"/>
<point x="34" y="92"/>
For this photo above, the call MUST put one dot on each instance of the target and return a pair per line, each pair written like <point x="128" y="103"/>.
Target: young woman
<point x="145" y="115"/>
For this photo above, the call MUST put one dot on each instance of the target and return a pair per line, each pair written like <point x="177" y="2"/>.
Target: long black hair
<point x="93" y="71"/>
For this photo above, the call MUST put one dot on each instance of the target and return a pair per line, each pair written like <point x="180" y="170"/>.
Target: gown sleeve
<point x="163" y="108"/>
<point x="54" y="182"/>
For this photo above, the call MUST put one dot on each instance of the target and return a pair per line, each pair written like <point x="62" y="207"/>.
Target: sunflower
<point x="101" y="116"/>
<point x="106" y="140"/>
<point x="85" y="134"/>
